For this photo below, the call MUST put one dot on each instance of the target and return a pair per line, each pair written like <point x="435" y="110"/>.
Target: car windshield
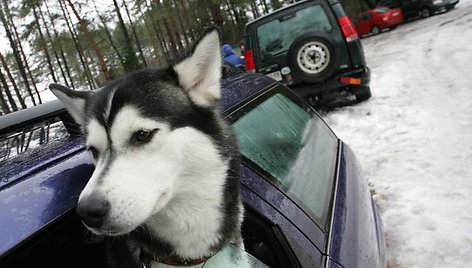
<point x="276" y="36"/>
<point x="381" y="10"/>
<point x="297" y="149"/>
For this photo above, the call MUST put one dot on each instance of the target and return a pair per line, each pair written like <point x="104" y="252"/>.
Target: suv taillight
<point x="348" y="29"/>
<point x="249" y="61"/>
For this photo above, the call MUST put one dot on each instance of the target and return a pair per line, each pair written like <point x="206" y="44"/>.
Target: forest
<point x="84" y="44"/>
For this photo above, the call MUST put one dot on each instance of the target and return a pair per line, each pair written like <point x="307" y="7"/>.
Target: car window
<point x="365" y="17"/>
<point x="381" y="10"/>
<point x="295" y="148"/>
<point x="25" y="140"/>
<point x="276" y="36"/>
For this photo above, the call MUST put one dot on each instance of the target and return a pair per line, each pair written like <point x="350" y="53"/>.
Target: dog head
<point x="148" y="132"/>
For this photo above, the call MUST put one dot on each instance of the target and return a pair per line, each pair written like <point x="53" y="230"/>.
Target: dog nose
<point x="93" y="210"/>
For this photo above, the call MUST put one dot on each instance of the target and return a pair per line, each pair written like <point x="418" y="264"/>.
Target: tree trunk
<point x="171" y="39"/>
<point x="169" y="33"/>
<point x="148" y="30"/>
<point x="110" y="39"/>
<point x="138" y="43"/>
<point x="231" y="12"/>
<point x="52" y="43"/>
<point x="3" y="104"/>
<point x="26" y="61"/>
<point x="8" y="93"/>
<point x="194" y="15"/>
<point x="109" y="36"/>
<point x="78" y="46"/>
<point x="254" y="10"/>
<point x="92" y="42"/>
<point x="177" y="35"/>
<point x="16" y="53"/>
<point x="131" y="61"/>
<point x="160" y="35"/>
<point x="12" y="80"/>
<point x="45" y="47"/>
<point x="264" y="5"/>
<point x="165" y="52"/>
<point x="187" y="20"/>
<point x="179" y="18"/>
<point x="215" y="10"/>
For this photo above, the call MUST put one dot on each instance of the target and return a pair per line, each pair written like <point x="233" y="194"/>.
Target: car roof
<point x="238" y="88"/>
<point x="280" y="10"/>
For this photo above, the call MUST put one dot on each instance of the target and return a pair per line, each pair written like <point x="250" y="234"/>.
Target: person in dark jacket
<point x="229" y="56"/>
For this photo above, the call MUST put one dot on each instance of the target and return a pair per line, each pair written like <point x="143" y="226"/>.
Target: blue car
<point x="307" y="203"/>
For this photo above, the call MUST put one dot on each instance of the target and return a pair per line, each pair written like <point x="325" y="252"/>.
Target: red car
<point x="375" y="20"/>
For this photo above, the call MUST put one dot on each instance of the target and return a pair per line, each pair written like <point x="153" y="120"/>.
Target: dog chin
<point x="110" y="230"/>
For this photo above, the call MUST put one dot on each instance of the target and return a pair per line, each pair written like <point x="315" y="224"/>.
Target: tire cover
<point x="312" y="57"/>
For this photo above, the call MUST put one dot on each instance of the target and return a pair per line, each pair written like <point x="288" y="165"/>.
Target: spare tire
<point x="312" y="57"/>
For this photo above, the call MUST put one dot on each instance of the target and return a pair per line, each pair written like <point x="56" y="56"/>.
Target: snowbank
<point x="414" y="138"/>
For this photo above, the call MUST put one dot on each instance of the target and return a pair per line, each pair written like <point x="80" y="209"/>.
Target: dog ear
<point x="200" y="72"/>
<point x="74" y="101"/>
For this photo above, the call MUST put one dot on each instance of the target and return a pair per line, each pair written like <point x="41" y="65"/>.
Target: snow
<point x="414" y="138"/>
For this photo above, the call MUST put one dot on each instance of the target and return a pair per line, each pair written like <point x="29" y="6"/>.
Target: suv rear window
<point x="295" y="148"/>
<point x="276" y="36"/>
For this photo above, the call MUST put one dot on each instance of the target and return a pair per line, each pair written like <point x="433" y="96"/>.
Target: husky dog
<point x="166" y="183"/>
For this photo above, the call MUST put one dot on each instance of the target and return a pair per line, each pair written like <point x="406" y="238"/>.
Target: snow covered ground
<point x="414" y="138"/>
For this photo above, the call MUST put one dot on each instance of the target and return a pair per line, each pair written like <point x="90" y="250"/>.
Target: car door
<point x="410" y="8"/>
<point x="365" y="24"/>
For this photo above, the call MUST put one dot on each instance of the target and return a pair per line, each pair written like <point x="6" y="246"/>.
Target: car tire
<point x="425" y="12"/>
<point x="375" y="30"/>
<point x="312" y="57"/>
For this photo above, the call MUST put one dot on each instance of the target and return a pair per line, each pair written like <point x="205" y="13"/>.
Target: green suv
<point x="310" y="46"/>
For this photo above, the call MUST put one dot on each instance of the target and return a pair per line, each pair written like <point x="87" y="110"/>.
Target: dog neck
<point x="189" y="226"/>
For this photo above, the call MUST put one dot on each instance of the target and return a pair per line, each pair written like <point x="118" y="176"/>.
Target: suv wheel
<point x="425" y="12"/>
<point x="312" y="58"/>
<point x="375" y="30"/>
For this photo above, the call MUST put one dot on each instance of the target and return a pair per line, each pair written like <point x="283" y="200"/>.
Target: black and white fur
<point x="166" y="182"/>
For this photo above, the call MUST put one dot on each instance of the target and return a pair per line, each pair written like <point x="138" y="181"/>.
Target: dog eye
<point x="144" y="135"/>
<point x="94" y="151"/>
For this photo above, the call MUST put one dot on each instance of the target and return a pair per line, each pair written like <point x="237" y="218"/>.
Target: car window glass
<point x="381" y="10"/>
<point x="24" y="141"/>
<point x="277" y="35"/>
<point x="232" y="256"/>
<point x="296" y="149"/>
<point x="366" y="17"/>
